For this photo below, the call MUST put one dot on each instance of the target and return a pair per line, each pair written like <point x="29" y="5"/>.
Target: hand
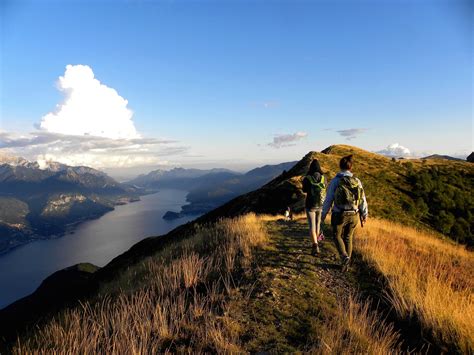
<point x="323" y="218"/>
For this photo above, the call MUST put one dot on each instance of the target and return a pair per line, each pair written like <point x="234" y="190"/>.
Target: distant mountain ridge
<point x="176" y="177"/>
<point x="208" y="189"/>
<point x="440" y="156"/>
<point x="40" y="202"/>
<point x="211" y="194"/>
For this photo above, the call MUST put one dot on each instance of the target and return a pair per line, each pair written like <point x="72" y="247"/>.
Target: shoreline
<point x="68" y="228"/>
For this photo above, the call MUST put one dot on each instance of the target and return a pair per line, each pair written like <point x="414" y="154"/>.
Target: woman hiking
<point x="314" y="186"/>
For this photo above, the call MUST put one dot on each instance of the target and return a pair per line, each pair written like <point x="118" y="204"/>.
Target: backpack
<point x="317" y="190"/>
<point x="348" y="193"/>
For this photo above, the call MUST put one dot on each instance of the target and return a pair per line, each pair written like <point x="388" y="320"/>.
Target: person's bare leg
<point x="312" y="226"/>
<point x="313" y="231"/>
<point x="318" y="224"/>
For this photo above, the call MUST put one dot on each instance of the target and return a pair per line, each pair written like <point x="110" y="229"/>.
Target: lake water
<point x="96" y="241"/>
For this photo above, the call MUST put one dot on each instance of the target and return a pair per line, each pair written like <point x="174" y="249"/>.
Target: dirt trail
<point x="293" y="252"/>
<point x="295" y="293"/>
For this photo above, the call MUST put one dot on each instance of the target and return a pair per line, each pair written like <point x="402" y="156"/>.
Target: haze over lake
<point x="97" y="241"/>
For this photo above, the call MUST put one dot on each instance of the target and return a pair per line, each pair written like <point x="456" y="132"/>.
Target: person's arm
<point x="329" y="198"/>
<point x="363" y="207"/>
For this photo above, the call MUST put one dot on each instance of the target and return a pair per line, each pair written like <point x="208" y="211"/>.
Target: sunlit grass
<point x="428" y="278"/>
<point x="184" y="298"/>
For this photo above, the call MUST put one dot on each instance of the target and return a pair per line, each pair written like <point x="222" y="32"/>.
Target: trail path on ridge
<point x="295" y="293"/>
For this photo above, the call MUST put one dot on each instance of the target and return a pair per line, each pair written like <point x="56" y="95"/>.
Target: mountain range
<point x="209" y="189"/>
<point x="40" y="201"/>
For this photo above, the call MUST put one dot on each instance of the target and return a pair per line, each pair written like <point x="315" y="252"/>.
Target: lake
<point x="97" y="241"/>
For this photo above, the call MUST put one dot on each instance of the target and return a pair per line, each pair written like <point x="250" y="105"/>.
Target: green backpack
<point x="348" y="193"/>
<point x="317" y="190"/>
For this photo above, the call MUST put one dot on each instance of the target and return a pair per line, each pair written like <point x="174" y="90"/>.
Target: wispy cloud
<point x="351" y="133"/>
<point x="286" y="140"/>
<point x="267" y="104"/>
<point x="98" y="152"/>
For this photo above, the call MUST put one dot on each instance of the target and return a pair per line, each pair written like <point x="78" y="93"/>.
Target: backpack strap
<point x="313" y="181"/>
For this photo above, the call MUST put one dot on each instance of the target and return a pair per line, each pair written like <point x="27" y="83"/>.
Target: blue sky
<point x="224" y="79"/>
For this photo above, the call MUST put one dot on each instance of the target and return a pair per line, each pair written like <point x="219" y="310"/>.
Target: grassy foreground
<point x="249" y="284"/>
<point x="428" y="279"/>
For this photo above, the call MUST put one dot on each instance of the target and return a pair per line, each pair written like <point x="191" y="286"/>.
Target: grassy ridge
<point x="249" y="284"/>
<point x="195" y="296"/>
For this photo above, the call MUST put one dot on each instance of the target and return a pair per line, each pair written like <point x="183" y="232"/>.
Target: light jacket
<point x="328" y="202"/>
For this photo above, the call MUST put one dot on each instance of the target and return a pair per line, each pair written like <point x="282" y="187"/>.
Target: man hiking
<point x="315" y="188"/>
<point x="347" y="194"/>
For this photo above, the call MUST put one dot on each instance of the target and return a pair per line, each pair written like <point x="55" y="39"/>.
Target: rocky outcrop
<point x="470" y="158"/>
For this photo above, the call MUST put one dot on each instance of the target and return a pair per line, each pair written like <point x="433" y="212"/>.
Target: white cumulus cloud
<point x="89" y="108"/>
<point x="395" y="150"/>
<point x="92" y="126"/>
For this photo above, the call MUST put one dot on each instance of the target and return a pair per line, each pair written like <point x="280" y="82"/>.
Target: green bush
<point x="444" y="198"/>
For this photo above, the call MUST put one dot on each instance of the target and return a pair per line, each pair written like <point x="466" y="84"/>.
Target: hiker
<point x="347" y="194"/>
<point x="315" y="188"/>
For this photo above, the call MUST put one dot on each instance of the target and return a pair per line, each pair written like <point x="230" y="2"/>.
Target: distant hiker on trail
<point x="347" y="194"/>
<point x="315" y="188"/>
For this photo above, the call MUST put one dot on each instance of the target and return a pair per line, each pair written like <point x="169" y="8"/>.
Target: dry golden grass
<point x="428" y="278"/>
<point x="174" y="301"/>
<point x="187" y="298"/>
<point x="358" y="330"/>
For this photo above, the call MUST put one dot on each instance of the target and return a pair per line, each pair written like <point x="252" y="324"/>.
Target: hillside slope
<point x="249" y="284"/>
<point x="387" y="187"/>
<point x="390" y="188"/>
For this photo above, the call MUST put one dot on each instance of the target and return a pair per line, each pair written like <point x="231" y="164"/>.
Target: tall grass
<point x="189" y="298"/>
<point x="177" y="300"/>
<point x="358" y="329"/>
<point x="429" y="279"/>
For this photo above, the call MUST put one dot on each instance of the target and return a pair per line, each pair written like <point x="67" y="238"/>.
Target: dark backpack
<point x="317" y="190"/>
<point x="348" y="193"/>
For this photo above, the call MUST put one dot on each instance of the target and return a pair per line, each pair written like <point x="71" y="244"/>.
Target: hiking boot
<point x="345" y="264"/>
<point x="315" y="250"/>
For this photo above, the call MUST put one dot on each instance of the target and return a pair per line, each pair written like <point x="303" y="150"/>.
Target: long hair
<point x="315" y="167"/>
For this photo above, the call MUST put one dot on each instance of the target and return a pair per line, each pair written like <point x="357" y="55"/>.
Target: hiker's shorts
<point x="314" y="220"/>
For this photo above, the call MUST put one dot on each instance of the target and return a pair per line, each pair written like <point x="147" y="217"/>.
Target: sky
<point x="131" y="84"/>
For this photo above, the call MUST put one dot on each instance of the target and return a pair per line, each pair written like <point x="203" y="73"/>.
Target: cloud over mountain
<point x="92" y="126"/>
<point x="395" y="150"/>
<point x="89" y="108"/>
<point x="286" y="140"/>
<point x="98" y="152"/>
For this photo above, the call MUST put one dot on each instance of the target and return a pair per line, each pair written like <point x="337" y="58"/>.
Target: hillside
<point x="37" y="203"/>
<point x="249" y="284"/>
<point x="392" y="188"/>
<point x="214" y="191"/>
<point x="440" y="156"/>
